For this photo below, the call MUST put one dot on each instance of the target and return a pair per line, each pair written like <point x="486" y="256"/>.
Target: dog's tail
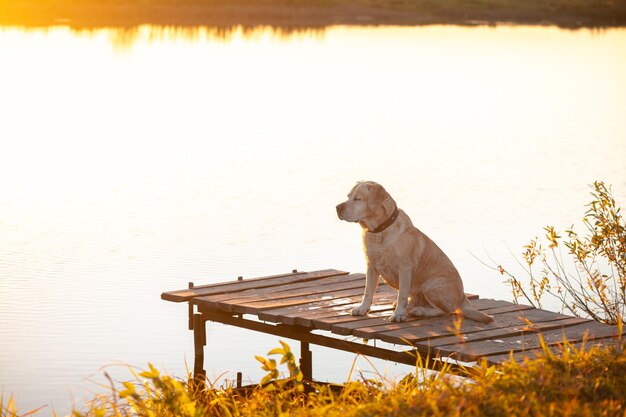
<point x="473" y="314"/>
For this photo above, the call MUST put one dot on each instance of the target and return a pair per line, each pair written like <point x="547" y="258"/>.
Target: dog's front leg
<point x="404" y="286"/>
<point x="371" y="282"/>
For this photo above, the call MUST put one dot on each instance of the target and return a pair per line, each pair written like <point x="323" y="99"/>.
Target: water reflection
<point x="128" y="36"/>
<point x="124" y="38"/>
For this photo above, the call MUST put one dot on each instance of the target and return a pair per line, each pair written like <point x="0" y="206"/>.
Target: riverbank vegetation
<point x="590" y="281"/>
<point x="577" y="382"/>
<point x="311" y="14"/>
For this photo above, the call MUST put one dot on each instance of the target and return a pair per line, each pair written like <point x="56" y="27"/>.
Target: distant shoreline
<point x="301" y="14"/>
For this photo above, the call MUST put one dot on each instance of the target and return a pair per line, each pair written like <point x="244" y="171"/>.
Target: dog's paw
<point x="360" y="310"/>
<point x="398" y="317"/>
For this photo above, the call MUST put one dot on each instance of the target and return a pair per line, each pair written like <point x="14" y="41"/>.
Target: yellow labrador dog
<point x="428" y="284"/>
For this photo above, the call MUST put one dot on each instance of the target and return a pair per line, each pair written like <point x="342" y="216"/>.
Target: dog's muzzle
<point x="340" y="208"/>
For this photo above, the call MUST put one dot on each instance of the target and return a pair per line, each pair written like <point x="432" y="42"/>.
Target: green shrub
<point x="596" y="288"/>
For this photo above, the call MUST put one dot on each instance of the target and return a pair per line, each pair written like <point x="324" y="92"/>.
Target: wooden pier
<point x="314" y="308"/>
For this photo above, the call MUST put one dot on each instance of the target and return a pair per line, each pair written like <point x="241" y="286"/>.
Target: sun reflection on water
<point x="125" y="37"/>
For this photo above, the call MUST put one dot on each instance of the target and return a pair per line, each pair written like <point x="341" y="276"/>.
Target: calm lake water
<point x="134" y="162"/>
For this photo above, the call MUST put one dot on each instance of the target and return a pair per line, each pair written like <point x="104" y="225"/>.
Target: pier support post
<point x="306" y="361"/>
<point x="190" y="309"/>
<point x="199" y="341"/>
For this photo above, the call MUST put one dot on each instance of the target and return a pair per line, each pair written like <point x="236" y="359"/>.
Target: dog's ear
<point x="379" y="197"/>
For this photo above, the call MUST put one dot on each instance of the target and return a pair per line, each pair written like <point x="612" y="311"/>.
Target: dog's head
<point x="367" y="203"/>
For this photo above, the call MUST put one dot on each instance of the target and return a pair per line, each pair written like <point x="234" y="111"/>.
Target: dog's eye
<point x="357" y="199"/>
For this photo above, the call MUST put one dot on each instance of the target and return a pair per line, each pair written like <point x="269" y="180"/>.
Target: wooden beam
<point x="303" y="334"/>
<point x="235" y="286"/>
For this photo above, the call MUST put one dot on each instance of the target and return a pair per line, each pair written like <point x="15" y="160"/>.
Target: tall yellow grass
<point x="587" y="381"/>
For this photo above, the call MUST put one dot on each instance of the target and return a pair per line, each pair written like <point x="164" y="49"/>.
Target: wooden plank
<point x="555" y="349"/>
<point x="302" y="314"/>
<point x="276" y="314"/>
<point x="371" y="329"/>
<point x="384" y="306"/>
<point x="508" y="308"/>
<point x="234" y="286"/>
<point x="288" y="313"/>
<point x="346" y="326"/>
<point x="337" y="280"/>
<point x="518" y="356"/>
<point x="305" y="316"/>
<point x="489" y="304"/>
<point x="221" y="287"/>
<point x="508" y="324"/>
<point x="268" y="302"/>
<point x="527" y="341"/>
<point x="518" y="332"/>
<point x="324" y="319"/>
<point x="442" y="328"/>
<point x="376" y="312"/>
<point x="353" y="281"/>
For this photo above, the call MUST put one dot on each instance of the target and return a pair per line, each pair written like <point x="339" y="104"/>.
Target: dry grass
<point x="578" y="382"/>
